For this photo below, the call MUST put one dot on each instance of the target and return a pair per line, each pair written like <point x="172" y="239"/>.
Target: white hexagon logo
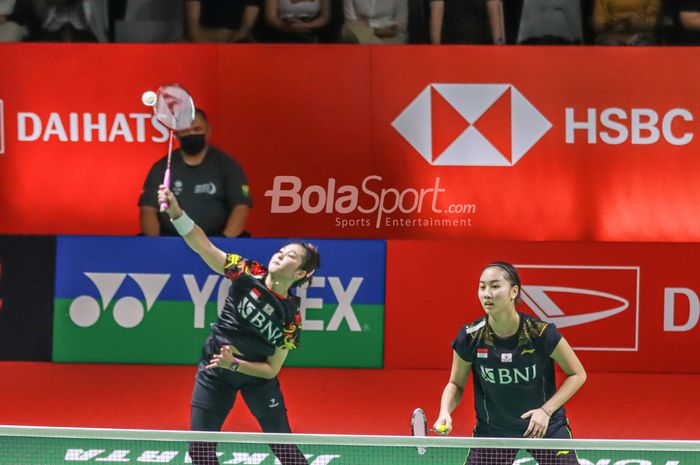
<point x="471" y="124"/>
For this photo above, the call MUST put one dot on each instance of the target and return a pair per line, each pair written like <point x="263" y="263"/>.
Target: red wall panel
<point x="624" y="307"/>
<point x="506" y="143"/>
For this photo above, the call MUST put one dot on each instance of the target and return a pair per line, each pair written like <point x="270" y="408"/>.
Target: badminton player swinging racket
<point x="259" y="324"/>
<point x="512" y="356"/>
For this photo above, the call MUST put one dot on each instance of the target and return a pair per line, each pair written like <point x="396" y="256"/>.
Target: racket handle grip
<point x="166" y="183"/>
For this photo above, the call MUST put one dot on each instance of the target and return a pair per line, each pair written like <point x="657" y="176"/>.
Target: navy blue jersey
<point x="511" y="375"/>
<point x="255" y="319"/>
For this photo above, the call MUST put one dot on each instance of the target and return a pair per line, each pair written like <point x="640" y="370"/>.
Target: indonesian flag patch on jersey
<point x="482" y="353"/>
<point x="254" y="294"/>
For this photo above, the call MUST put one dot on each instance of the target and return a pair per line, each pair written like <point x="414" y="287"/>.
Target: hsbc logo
<point x="596" y="307"/>
<point x="471" y="124"/>
<point x="2" y="127"/>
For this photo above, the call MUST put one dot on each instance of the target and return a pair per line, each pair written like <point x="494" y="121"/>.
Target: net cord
<point x="349" y="440"/>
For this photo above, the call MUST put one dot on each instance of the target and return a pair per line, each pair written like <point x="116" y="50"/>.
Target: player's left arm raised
<point x="193" y="235"/>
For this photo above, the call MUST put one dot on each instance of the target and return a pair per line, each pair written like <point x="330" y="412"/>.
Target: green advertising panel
<point x="151" y="300"/>
<point x="69" y="451"/>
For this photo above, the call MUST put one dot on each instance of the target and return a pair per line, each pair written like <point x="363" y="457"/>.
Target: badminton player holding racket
<point x="512" y="356"/>
<point x="259" y="324"/>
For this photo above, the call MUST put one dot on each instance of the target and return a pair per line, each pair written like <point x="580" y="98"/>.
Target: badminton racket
<point x="173" y="107"/>
<point x="419" y="428"/>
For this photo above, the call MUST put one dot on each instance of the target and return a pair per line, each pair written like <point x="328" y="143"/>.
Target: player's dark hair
<point x="512" y="276"/>
<point x="312" y="262"/>
<point x="199" y="111"/>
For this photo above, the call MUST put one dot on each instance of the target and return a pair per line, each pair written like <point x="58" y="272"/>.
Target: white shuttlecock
<point x="149" y="98"/>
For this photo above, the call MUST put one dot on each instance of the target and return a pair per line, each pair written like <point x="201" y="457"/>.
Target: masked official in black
<point x="208" y="183"/>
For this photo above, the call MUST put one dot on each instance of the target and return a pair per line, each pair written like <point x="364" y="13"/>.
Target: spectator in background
<point x="625" y="22"/>
<point x="221" y="20"/>
<point x="550" y="22"/>
<point x="375" y="21"/>
<point x="686" y="18"/>
<point x="72" y="20"/>
<point x="10" y="31"/>
<point x="466" y="22"/>
<point x="207" y="182"/>
<point x="512" y="12"/>
<point x="297" y="21"/>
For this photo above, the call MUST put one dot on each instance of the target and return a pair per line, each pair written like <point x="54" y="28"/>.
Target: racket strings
<point x="419" y="423"/>
<point x="419" y="427"/>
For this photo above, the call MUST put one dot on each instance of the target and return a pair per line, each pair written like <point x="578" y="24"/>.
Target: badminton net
<point x="21" y="445"/>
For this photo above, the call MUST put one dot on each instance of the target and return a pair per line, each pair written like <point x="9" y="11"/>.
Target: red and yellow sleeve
<point x="292" y="333"/>
<point x="234" y="266"/>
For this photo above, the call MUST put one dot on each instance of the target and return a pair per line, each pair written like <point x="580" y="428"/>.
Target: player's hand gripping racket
<point x="419" y="427"/>
<point x="174" y="108"/>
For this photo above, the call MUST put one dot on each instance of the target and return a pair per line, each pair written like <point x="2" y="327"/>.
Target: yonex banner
<point x="505" y="143"/>
<point x="623" y="307"/>
<point x="151" y="300"/>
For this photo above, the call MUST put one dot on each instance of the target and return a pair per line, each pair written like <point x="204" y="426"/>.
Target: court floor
<point x="329" y="400"/>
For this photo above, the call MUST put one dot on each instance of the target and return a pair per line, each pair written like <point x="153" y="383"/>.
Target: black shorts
<point x="215" y="391"/>
<point x="482" y="456"/>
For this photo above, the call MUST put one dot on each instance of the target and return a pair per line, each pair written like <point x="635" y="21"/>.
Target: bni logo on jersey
<point x="594" y="307"/>
<point x="471" y="124"/>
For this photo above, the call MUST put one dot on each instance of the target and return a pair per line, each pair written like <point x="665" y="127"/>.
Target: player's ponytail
<point x="512" y="276"/>
<point x="312" y="261"/>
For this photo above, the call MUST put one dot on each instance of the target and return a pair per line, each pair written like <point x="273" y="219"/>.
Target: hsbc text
<point x="640" y="126"/>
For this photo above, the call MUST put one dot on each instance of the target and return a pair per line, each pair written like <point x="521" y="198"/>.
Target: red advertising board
<point x="623" y="307"/>
<point x="411" y="142"/>
<point x="78" y="141"/>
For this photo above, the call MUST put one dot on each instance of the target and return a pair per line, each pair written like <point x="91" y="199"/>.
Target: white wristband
<point x="183" y="225"/>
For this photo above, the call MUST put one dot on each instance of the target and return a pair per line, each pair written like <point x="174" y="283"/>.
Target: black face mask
<point x="193" y="143"/>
